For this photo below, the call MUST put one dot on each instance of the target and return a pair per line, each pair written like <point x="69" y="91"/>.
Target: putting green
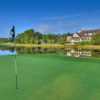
<point x="50" y="77"/>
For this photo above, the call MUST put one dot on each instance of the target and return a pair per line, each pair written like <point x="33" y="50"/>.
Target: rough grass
<point x="50" y="77"/>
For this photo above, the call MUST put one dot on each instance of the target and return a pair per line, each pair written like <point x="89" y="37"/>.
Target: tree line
<point x="30" y="36"/>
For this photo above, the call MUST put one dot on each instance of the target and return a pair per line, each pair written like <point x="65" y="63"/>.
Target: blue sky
<point x="53" y="16"/>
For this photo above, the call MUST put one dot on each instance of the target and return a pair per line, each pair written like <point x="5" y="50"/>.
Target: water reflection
<point x="68" y="52"/>
<point x="7" y="52"/>
<point x="79" y="53"/>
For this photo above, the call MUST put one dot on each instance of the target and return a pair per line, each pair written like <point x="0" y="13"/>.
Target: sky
<point x="49" y="16"/>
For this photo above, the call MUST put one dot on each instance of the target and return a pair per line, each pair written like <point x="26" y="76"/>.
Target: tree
<point x="25" y="37"/>
<point x="29" y="36"/>
<point x="96" y="39"/>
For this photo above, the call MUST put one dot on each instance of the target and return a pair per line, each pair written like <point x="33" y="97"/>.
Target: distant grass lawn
<point x="50" y="77"/>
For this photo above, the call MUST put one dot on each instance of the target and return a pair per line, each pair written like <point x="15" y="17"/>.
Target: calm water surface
<point x="68" y="52"/>
<point x="7" y="52"/>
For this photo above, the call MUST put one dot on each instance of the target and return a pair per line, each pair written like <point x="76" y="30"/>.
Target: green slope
<point x="50" y="77"/>
<point x="7" y="78"/>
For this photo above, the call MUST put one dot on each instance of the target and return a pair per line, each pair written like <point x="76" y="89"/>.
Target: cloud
<point x="56" y="25"/>
<point x="52" y="18"/>
<point x="71" y="23"/>
<point x="44" y="28"/>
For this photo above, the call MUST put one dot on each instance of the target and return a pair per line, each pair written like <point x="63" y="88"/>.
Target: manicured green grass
<point x="50" y="77"/>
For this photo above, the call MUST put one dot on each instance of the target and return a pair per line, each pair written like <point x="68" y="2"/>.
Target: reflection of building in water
<point x="79" y="53"/>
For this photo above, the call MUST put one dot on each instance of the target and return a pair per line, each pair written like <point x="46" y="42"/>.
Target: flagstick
<point x="15" y="65"/>
<point x="12" y="32"/>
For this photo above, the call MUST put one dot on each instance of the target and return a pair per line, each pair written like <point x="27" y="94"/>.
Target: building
<point x="76" y="38"/>
<point x="73" y="38"/>
<point x="86" y="35"/>
<point x="82" y="36"/>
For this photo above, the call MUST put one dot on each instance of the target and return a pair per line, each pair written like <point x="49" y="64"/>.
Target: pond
<point x="83" y="53"/>
<point x="68" y="52"/>
<point x="7" y="52"/>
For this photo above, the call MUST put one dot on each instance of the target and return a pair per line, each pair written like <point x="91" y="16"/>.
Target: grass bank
<point x="50" y="77"/>
<point x="62" y="46"/>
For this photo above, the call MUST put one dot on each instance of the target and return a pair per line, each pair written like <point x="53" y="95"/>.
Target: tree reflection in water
<point x="68" y="52"/>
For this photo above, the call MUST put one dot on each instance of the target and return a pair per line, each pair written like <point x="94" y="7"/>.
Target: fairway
<point x="50" y="77"/>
